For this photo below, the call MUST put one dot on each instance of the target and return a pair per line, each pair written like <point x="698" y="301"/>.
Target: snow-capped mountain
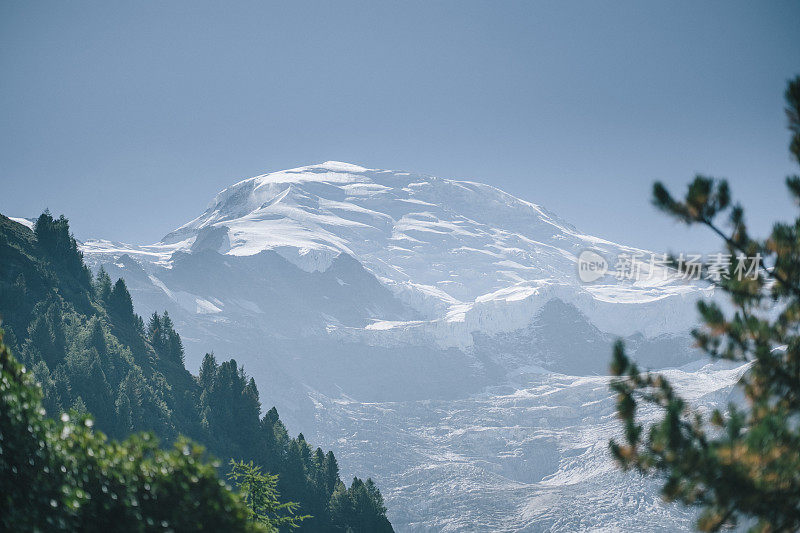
<point x="461" y="256"/>
<point x="381" y="307"/>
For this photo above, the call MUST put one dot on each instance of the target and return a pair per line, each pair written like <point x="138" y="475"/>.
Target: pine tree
<point x="120" y="303"/>
<point x="294" y="474"/>
<point x="41" y="341"/>
<point x="331" y="472"/>
<point x="260" y="493"/>
<point x="130" y="393"/>
<point x="359" y="509"/>
<point x="174" y="345"/>
<point x="128" y="326"/>
<point x="155" y="334"/>
<point x="318" y="468"/>
<point x="124" y="411"/>
<point x="61" y="249"/>
<point x="272" y="416"/>
<point x="97" y="338"/>
<point x="342" y="508"/>
<point x="305" y="451"/>
<point x="46" y="333"/>
<point x="102" y="286"/>
<point x="249" y="415"/>
<point x="208" y="371"/>
<point x="376" y="499"/>
<point x="48" y="385"/>
<point x="15" y="299"/>
<point x="742" y="464"/>
<point x="62" y="386"/>
<point x="99" y="400"/>
<point x="79" y="407"/>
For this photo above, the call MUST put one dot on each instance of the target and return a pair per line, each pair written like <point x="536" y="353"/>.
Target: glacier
<point x="434" y="333"/>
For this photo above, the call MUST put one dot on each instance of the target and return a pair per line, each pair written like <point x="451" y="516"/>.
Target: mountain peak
<point x="341" y="166"/>
<point x="458" y="239"/>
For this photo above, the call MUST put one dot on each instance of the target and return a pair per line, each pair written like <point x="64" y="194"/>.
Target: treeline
<point x="91" y="353"/>
<point x="60" y="475"/>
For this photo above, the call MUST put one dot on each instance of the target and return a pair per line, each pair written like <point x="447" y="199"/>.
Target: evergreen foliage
<point x="260" y="493"/>
<point x="60" y="248"/>
<point x="89" y="351"/>
<point x="742" y="465"/>
<point x="63" y="476"/>
<point x="359" y="507"/>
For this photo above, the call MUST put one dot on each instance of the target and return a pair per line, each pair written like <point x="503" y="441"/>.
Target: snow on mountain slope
<point x="466" y="256"/>
<point x="512" y="459"/>
<point x="27" y="222"/>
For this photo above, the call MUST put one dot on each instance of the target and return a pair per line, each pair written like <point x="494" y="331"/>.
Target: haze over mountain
<point x="432" y="331"/>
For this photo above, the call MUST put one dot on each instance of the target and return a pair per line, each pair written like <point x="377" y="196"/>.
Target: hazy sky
<point x="129" y="117"/>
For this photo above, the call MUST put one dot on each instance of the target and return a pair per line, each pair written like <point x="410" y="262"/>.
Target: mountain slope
<point x="90" y="352"/>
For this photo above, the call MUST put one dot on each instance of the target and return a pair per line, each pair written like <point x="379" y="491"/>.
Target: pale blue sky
<point x="129" y="117"/>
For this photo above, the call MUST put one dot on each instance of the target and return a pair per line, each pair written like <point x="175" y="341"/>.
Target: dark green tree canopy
<point x="64" y="476"/>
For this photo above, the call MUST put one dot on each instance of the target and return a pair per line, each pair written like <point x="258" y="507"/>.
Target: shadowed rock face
<point x="561" y="339"/>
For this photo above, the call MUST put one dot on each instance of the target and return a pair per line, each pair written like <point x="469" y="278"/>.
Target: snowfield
<point x="528" y="459"/>
<point x="434" y="333"/>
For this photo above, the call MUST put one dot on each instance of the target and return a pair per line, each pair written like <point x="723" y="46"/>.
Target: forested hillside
<point x="91" y="353"/>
